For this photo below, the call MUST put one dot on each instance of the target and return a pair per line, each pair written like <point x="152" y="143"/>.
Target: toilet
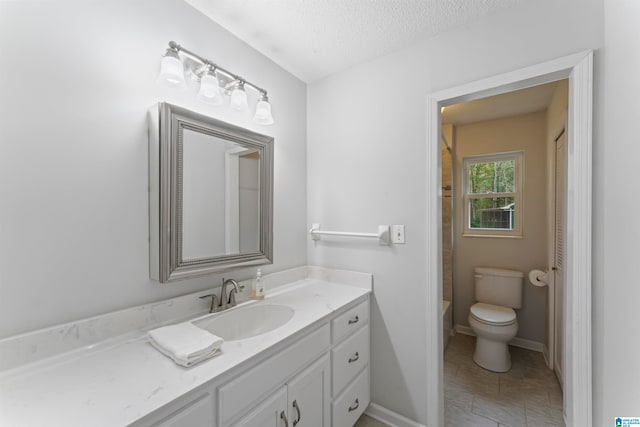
<point x="498" y="291"/>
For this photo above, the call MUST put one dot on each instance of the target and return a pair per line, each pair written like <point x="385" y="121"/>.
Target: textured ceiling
<point x="522" y="101"/>
<point x="315" y="38"/>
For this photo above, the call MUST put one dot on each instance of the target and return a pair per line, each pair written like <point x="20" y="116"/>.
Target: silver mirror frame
<point x="167" y="123"/>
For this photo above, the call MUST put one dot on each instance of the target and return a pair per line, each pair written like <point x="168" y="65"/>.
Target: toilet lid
<point x="493" y="314"/>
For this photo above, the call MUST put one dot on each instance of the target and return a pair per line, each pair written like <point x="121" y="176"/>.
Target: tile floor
<point x="365" y="421"/>
<point x="528" y="395"/>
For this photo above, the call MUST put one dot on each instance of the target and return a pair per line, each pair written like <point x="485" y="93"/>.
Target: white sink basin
<point x="246" y="322"/>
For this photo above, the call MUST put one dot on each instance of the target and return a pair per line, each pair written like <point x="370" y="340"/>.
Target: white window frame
<point x="518" y="177"/>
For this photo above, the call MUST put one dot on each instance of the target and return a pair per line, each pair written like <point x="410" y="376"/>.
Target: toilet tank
<point x="498" y="286"/>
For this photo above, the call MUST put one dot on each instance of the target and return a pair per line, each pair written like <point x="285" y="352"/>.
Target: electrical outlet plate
<point x="397" y="234"/>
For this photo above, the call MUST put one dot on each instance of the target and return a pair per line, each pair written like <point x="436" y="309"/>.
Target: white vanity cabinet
<point x="318" y="380"/>
<point x="303" y="367"/>
<point x="303" y="401"/>
<point x="350" y="365"/>
<point x="306" y="362"/>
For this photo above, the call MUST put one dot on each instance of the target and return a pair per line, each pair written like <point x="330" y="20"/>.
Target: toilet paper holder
<point x="539" y="278"/>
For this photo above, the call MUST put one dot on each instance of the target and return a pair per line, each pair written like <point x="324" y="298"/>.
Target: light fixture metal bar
<point x="176" y="47"/>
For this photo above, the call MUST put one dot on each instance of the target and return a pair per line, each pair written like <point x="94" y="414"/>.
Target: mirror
<point x="211" y="186"/>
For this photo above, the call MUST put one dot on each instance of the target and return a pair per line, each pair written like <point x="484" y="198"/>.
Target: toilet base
<point x="492" y="355"/>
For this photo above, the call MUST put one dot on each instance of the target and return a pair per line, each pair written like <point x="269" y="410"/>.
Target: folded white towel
<point x="185" y="343"/>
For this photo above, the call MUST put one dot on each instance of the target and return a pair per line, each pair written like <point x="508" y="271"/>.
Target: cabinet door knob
<point x="298" y="413"/>
<point x="355" y="406"/>
<point x="283" y="417"/>
<point x="354" y="320"/>
<point x="354" y="358"/>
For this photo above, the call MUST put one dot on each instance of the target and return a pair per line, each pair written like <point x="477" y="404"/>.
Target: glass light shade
<point x="209" y="90"/>
<point x="263" y="113"/>
<point x="239" y="99"/>
<point x="172" y="72"/>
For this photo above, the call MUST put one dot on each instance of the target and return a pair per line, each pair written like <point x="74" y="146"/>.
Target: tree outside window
<point x="492" y="194"/>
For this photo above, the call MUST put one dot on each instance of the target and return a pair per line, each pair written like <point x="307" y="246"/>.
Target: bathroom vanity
<point x="296" y="382"/>
<point x="311" y="371"/>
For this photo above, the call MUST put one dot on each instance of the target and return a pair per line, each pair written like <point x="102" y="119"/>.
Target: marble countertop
<point x="120" y="382"/>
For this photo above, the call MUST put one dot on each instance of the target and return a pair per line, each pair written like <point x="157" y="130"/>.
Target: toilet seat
<point x="494" y="315"/>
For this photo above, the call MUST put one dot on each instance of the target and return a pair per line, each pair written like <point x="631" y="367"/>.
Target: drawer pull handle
<point x="355" y="406"/>
<point x="297" y="408"/>
<point x="354" y="320"/>
<point x="354" y="358"/>
<point x="283" y="417"/>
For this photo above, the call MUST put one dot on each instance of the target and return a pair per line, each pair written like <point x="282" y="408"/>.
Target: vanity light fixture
<point x="171" y="70"/>
<point x="239" y="98"/>
<point x="214" y="82"/>
<point x="263" y="111"/>
<point x="209" y="92"/>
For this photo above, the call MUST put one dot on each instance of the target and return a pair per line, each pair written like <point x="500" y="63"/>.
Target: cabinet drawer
<point x="350" y="321"/>
<point x="247" y="389"/>
<point x="348" y="407"/>
<point x="349" y="358"/>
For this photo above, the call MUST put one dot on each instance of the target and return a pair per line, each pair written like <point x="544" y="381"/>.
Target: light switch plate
<point x="397" y="234"/>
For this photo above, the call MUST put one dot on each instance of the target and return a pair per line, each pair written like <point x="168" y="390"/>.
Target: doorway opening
<point x="577" y="69"/>
<point x="499" y="222"/>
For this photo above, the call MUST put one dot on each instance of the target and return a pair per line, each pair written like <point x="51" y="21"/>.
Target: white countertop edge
<point x="23" y="394"/>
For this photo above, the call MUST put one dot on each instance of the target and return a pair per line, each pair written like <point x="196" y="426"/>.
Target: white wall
<point x="526" y="133"/>
<point x="76" y="80"/>
<point x="616" y="206"/>
<point x="366" y="159"/>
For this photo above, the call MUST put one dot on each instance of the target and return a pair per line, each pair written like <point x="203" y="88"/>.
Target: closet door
<point x="559" y="253"/>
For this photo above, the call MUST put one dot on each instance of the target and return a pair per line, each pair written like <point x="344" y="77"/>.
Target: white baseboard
<point x="464" y="330"/>
<point x="558" y="371"/>
<point x="516" y="342"/>
<point x="387" y="416"/>
<point x="545" y="354"/>
<point x="527" y="344"/>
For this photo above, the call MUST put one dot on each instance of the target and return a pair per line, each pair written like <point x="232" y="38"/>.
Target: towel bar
<point x="383" y="234"/>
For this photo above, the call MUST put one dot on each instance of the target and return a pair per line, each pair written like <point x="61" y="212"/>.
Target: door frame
<point x="578" y="68"/>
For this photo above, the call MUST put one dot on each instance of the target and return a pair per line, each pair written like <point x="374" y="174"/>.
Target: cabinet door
<point x="270" y="413"/>
<point x="308" y="396"/>
<point x="241" y="394"/>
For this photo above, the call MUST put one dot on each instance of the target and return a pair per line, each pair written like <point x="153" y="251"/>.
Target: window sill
<point x="493" y="235"/>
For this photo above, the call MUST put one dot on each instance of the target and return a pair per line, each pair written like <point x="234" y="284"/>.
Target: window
<point x="493" y="195"/>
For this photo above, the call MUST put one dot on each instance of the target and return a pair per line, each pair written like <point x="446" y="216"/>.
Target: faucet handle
<point x="214" y="298"/>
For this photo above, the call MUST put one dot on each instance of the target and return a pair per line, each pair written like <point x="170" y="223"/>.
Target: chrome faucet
<point x="231" y="300"/>
<point x="224" y="302"/>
